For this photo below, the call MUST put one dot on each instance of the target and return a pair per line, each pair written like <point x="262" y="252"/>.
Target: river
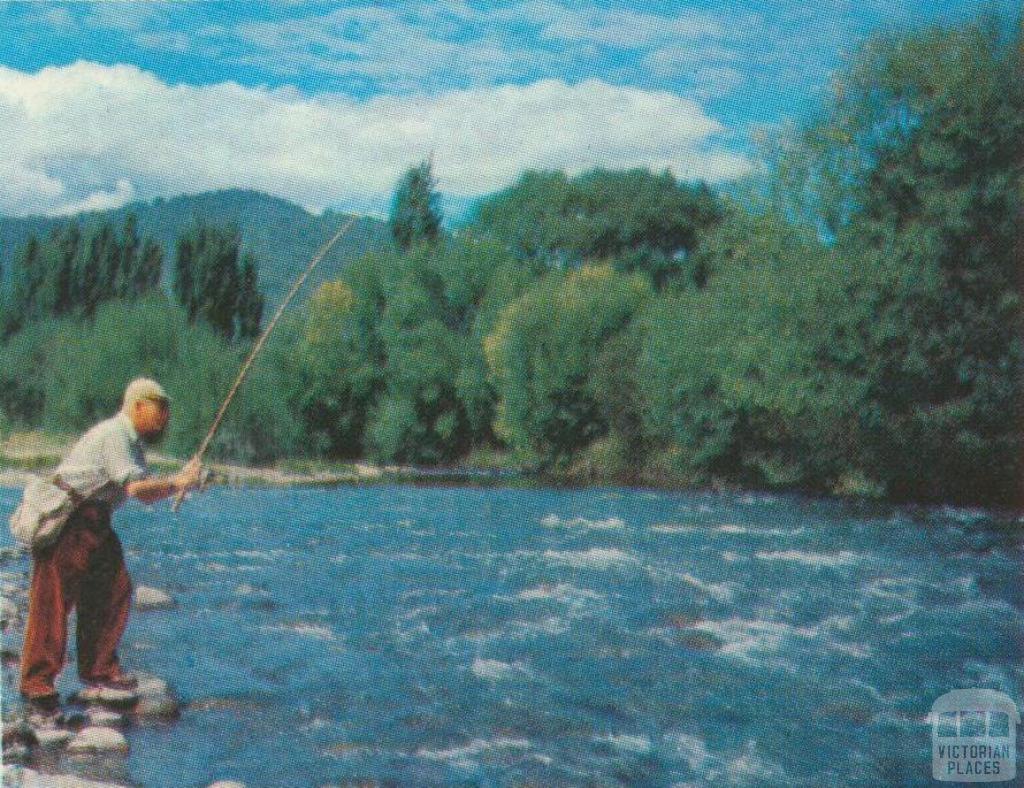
<point x="490" y="636"/>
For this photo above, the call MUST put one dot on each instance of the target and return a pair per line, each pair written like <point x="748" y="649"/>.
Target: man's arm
<point x="155" y="489"/>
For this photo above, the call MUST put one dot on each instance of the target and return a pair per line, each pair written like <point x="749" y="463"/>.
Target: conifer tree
<point x="129" y="256"/>
<point x="250" y="300"/>
<point x="148" y="269"/>
<point x="415" y="215"/>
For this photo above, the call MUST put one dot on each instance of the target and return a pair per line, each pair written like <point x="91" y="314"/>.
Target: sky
<point x="327" y="104"/>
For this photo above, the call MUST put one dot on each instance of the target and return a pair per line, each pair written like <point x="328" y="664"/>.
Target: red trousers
<point x="84" y="568"/>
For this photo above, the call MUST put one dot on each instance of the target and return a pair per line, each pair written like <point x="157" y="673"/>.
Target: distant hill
<point x="282" y="235"/>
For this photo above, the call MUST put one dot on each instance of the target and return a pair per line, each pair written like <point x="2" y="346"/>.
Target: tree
<point x="127" y="275"/>
<point x="543" y="352"/>
<point x="210" y="285"/>
<point x="70" y="244"/>
<point x="643" y="221"/>
<point x="148" y="271"/>
<point x="938" y="121"/>
<point x="29" y="277"/>
<point x="108" y="253"/>
<point x="415" y="215"/>
<point x="250" y="300"/>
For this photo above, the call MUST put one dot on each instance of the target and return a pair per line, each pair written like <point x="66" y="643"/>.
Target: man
<point x="85" y="567"/>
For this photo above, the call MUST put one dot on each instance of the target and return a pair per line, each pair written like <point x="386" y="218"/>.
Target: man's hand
<point x="152" y="490"/>
<point x="190" y="476"/>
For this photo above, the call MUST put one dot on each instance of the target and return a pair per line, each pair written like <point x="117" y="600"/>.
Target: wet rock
<point x="150" y="685"/>
<point x="96" y="739"/>
<point x="682" y="620"/>
<point x="156" y="699"/>
<point x="17" y="731"/>
<point x="147" y="598"/>
<point x="106" y="696"/>
<point x="100" y="717"/>
<point x="698" y="641"/>
<point x="227" y="784"/>
<point x="16" y="753"/>
<point x="53" y="738"/>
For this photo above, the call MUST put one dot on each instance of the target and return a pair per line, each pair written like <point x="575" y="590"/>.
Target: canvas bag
<point x="47" y="503"/>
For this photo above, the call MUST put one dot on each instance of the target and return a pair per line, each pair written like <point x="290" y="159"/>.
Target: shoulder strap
<point x="75" y="496"/>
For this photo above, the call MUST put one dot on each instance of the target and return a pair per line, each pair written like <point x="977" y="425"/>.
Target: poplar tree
<point x="415" y="214"/>
<point x="129" y="256"/>
<point x="250" y="300"/>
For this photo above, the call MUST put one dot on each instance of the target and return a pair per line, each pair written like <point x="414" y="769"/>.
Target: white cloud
<point x="94" y="135"/>
<point x="102" y="200"/>
<point x="620" y="28"/>
<point x="429" y="46"/>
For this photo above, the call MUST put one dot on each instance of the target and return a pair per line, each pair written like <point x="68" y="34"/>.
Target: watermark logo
<point x="974" y="737"/>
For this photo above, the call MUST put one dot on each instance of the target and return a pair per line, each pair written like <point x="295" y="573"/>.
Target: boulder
<point x="96" y="739"/>
<point x="53" y="738"/>
<point x="156" y="699"/>
<point x="104" y="718"/>
<point x="106" y="696"/>
<point x="147" y="598"/>
<point x="16" y="753"/>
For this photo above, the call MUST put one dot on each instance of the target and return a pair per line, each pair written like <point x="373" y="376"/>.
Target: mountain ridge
<point x="282" y="235"/>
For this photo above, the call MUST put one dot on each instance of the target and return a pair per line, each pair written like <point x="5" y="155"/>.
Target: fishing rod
<point x="201" y="451"/>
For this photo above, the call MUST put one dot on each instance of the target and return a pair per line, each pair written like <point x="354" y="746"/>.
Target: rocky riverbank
<point x="86" y="744"/>
<point x="27" y="453"/>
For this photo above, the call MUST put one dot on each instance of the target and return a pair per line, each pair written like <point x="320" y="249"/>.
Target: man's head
<point x="149" y="408"/>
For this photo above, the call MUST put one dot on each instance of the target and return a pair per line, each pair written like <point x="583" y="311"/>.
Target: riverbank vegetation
<point x="847" y="319"/>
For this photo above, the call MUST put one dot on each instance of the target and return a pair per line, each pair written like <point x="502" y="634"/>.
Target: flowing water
<point x="603" y="637"/>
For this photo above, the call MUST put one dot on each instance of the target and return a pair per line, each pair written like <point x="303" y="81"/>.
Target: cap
<point x="144" y="388"/>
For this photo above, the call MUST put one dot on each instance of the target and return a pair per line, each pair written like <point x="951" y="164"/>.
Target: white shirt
<point x="113" y="447"/>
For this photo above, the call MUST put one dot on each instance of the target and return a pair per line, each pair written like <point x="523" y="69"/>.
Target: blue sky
<point x="326" y="103"/>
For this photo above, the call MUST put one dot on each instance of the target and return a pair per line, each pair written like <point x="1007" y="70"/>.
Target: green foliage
<point x="65" y="376"/>
<point x="69" y="273"/>
<point x="211" y="286"/>
<point x="281" y="235"/>
<point x="935" y="222"/>
<point x="435" y="399"/>
<point x="736" y="375"/>
<point x="892" y="360"/>
<point x="543" y="352"/>
<point x="643" y="221"/>
<point x="415" y="215"/>
<point x="850" y="321"/>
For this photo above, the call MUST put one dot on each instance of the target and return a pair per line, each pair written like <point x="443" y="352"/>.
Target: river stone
<point x="18" y="731"/>
<point x="53" y="738"/>
<point x="151" y="686"/>
<point x="159" y="707"/>
<point x="698" y="641"/>
<point x="106" y="696"/>
<point x="96" y="739"/>
<point x="156" y="699"/>
<point x="16" y="753"/>
<point x="105" y="718"/>
<point x="147" y="598"/>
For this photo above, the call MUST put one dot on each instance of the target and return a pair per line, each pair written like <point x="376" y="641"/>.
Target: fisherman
<point x="85" y="567"/>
